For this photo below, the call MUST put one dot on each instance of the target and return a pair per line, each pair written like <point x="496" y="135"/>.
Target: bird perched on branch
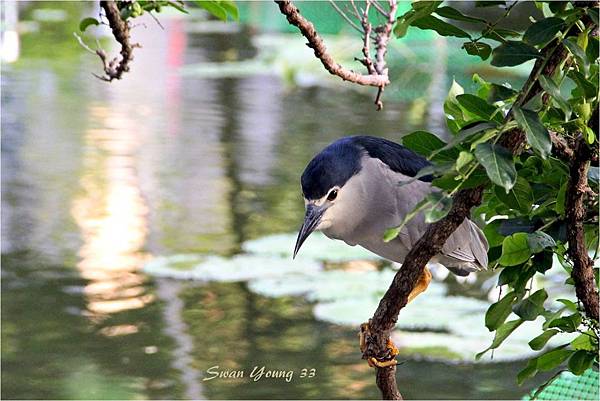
<point x="352" y="192"/>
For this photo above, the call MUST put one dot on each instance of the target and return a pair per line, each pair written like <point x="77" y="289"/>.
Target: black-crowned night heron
<point x="352" y="193"/>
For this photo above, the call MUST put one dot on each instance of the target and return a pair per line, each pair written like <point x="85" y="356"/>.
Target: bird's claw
<point x="392" y="350"/>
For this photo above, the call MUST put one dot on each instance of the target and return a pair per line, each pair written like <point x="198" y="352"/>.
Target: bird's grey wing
<point x="467" y="244"/>
<point x="464" y="251"/>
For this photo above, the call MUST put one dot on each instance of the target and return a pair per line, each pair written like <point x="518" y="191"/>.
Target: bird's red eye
<point x="332" y="195"/>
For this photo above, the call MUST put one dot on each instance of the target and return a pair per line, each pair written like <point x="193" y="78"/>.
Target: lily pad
<point x="317" y="246"/>
<point x="237" y="268"/>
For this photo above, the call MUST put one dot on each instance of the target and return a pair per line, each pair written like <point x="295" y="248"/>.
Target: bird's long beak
<point x="312" y="218"/>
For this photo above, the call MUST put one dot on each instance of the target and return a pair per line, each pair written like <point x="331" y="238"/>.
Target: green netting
<point x="567" y="386"/>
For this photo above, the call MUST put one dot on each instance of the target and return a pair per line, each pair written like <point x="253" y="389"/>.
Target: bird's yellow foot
<point x="392" y="351"/>
<point x="390" y="358"/>
<point x="422" y="284"/>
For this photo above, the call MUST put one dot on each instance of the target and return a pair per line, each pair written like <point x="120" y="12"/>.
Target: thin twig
<point x="344" y="16"/>
<point x="81" y="42"/>
<point x="366" y="39"/>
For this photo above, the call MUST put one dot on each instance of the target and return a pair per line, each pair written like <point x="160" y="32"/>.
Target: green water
<point x="97" y="178"/>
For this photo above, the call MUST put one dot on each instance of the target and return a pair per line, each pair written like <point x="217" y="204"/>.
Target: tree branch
<point x="378" y="75"/>
<point x="115" y="68"/>
<point x="583" y="271"/>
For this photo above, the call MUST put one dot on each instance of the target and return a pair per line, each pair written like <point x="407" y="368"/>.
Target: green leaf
<point x="542" y="261"/>
<point x="479" y="107"/>
<point x="515" y="250"/>
<point x="231" y="9"/>
<point x="567" y="323"/>
<point x="86" y="22"/>
<point x="588" y="88"/>
<point x="554" y="91"/>
<point x="578" y="52"/>
<point x="537" y="135"/>
<point x="552" y="359"/>
<point x="532" y="306"/>
<point x="540" y="341"/>
<point x="453" y="13"/>
<point x="513" y="53"/>
<point x="483" y="50"/>
<point x="422" y="142"/>
<point x="491" y="233"/>
<point x="539" y="240"/>
<point x="178" y="5"/>
<point x="572" y="306"/>
<point x="543" y="30"/>
<point x="463" y="161"/>
<point x="213" y="7"/>
<point x="419" y="9"/>
<point x="441" y="27"/>
<point x="499" y="311"/>
<point x="520" y="197"/>
<point x="529" y="371"/>
<point x="440" y="206"/>
<point x="583" y="342"/>
<point x="502" y="334"/>
<point x="498" y="164"/>
<point x="593" y="13"/>
<point x="580" y="361"/>
<point x="560" y="200"/>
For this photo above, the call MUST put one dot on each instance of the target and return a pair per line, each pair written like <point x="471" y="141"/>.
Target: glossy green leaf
<point x="588" y="88"/>
<point x="87" y="22"/>
<point x="552" y="359"/>
<point x="539" y="240"/>
<point x="426" y="143"/>
<point x="483" y="50"/>
<point x="420" y="9"/>
<point x="479" y="107"/>
<point x="584" y="342"/>
<point x="513" y="53"/>
<point x="441" y="27"/>
<point x="520" y="197"/>
<point x="529" y="371"/>
<point x="578" y="52"/>
<point x="213" y="7"/>
<point x="491" y="233"/>
<point x="532" y="306"/>
<point x="580" y="361"/>
<point x="543" y="30"/>
<point x="498" y="164"/>
<point x="502" y="334"/>
<point x="515" y="250"/>
<point x="453" y="13"/>
<point x="554" y="91"/>
<point x="499" y="311"/>
<point x="566" y="323"/>
<point x="540" y="341"/>
<point x="537" y="135"/>
<point x="463" y="161"/>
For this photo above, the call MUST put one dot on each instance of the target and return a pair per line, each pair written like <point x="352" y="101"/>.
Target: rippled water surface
<point x="98" y="178"/>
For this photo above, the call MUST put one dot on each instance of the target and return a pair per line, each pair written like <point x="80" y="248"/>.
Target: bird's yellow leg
<point x="420" y="287"/>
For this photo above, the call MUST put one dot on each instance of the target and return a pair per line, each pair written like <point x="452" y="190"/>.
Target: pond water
<point x="178" y="158"/>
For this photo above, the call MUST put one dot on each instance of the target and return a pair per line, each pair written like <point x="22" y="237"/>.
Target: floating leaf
<point x="513" y="53"/>
<point x="515" y="250"/>
<point x="537" y="135"/>
<point x="498" y="164"/>
<point x="543" y="30"/>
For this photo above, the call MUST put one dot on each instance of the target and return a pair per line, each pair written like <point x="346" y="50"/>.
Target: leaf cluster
<point x="524" y="195"/>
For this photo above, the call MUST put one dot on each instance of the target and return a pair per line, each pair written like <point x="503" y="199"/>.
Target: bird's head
<point x="342" y="184"/>
<point x="326" y="190"/>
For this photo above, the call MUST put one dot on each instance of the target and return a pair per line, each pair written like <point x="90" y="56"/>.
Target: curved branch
<point x="583" y="271"/>
<point x="378" y="76"/>
<point x="115" y="68"/>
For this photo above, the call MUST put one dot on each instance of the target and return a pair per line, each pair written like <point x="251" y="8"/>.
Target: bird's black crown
<point x="341" y="160"/>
